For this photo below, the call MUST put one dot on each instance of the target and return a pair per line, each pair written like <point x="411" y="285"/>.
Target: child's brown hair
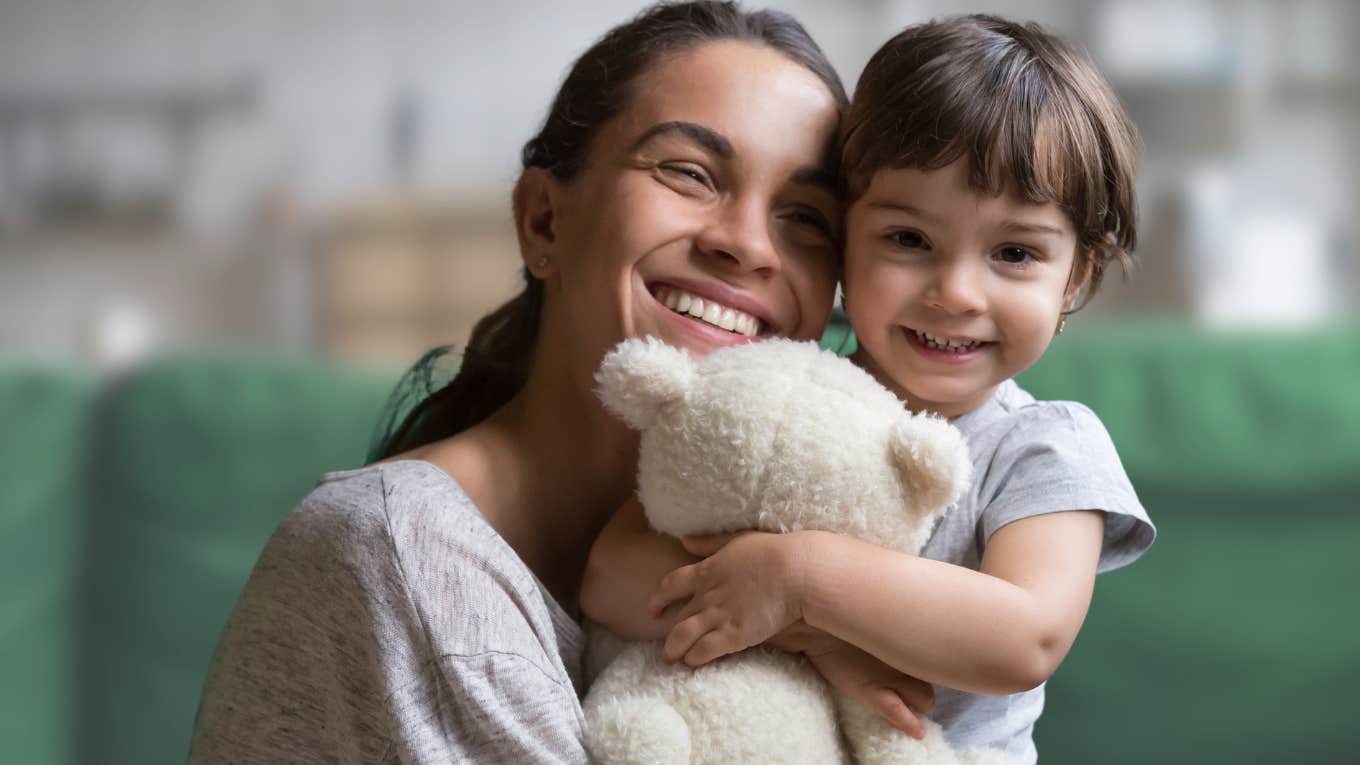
<point x="1025" y="107"/>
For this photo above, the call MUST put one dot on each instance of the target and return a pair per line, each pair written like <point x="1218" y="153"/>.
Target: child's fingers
<point x="676" y="585"/>
<point x="712" y="645"/>
<point x="682" y="637"/>
<point x="894" y="710"/>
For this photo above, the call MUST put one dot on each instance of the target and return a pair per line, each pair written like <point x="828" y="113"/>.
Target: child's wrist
<point x="819" y="552"/>
<point x="802" y="563"/>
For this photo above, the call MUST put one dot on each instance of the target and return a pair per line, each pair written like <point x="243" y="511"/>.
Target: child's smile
<point x="951" y="289"/>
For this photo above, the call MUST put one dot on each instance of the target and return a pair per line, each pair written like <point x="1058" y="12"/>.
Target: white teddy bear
<point x="778" y="436"/>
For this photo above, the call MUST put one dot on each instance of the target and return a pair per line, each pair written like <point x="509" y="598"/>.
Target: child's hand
<point x="746" y="590"/>
<point x="885" y="690"/>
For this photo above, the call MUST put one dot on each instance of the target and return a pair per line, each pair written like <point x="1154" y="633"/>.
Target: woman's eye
<point x="811" y="219"/>
<point x="909" y="239"/>
<point x="688" y="172"/>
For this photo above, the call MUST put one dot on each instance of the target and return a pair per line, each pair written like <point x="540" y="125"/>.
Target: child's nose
<point x="956" y="289"/>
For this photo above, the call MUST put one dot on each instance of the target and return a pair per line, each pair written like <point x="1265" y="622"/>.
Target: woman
<point x="421" y="609"/>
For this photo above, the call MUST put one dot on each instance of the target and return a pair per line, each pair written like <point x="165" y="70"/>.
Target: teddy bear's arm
<point x="627" y="562"/>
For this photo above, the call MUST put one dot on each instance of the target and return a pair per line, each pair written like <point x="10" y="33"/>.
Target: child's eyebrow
<point x="1025" y="227"/>
<point x="908" y="209"/>
<point x="707" y="138"/>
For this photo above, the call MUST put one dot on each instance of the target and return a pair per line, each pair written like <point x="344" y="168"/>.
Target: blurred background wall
<point x="334" y="176"/>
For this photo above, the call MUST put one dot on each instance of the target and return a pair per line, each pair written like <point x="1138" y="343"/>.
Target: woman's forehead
<point x="753" y="96"/>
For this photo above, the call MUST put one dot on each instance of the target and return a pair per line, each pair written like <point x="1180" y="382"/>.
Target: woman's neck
<point x="547" y="471"/>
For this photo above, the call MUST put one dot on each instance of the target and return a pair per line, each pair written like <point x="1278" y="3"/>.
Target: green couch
<point x="135" y="509"/>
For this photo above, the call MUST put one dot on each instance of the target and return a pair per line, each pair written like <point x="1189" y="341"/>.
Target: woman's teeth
<point x="945" y="344"/>
<point x="708" y="311"/>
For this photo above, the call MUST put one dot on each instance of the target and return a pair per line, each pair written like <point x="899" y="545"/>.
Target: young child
<point x="989" y="170"/>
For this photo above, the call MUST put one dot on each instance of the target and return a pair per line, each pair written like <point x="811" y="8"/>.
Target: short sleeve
<point x="488" y="707"/>
<point x="1057" y="457"/>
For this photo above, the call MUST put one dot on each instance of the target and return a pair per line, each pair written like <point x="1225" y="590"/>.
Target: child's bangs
<point x="1022" y="139"/>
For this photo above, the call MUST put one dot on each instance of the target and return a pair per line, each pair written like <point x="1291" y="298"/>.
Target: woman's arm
<point x="626" y="564"/>
<point x="1000" y="630"/>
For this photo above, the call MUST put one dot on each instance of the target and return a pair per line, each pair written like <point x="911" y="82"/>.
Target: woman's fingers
<point x="918" y="694"/>
<point x="891" y="707"/>
<point x="706" y="544"/>
<point x="676" y="585"/>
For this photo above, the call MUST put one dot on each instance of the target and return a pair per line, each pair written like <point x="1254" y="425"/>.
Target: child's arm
<point x="1000" y="630"/>
<point x="628" y="562"/>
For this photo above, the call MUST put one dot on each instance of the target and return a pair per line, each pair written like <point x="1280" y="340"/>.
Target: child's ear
<point x="641" y="376"/>
<point x="1082" y="270"/>
<point x="536" y="199"/>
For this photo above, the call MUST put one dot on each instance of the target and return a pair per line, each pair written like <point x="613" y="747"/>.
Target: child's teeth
<point x="709" y="312"/>
<point x="943" y="344"/>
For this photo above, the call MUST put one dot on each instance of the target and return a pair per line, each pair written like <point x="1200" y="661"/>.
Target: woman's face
<point x="705" y="215"/>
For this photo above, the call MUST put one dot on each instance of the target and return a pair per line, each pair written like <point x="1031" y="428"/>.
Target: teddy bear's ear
<point x="933" y="459"/>
<point x="639" y="376"/>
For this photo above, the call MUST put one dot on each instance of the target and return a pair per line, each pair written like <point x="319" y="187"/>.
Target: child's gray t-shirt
<point x="1029" y="458"/>
<point x="387" y="622"/>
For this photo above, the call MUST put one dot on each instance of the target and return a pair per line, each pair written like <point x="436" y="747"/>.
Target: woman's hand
<point x="896" y="697"/>
<point x="857" y="674"/>
<point x="746" y="590"/>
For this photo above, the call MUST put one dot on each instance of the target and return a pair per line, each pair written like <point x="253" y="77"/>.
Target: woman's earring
<point x="543" y="262"/>
<point x="1062" y="322"/>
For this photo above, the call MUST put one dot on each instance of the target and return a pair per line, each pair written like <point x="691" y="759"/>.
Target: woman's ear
<point x="535" y="208"/>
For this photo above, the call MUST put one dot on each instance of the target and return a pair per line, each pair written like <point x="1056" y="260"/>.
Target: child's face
<point x="929" y="257"/>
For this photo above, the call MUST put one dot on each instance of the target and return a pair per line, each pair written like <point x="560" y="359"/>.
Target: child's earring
<point x="1062" y="323"/>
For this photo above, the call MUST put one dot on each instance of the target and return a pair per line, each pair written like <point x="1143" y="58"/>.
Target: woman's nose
<point x="740" y="235"/>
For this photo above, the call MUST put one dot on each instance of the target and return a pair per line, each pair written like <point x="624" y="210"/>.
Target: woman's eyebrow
<point x="816" y="176"/>
<point x="709" y="139"/>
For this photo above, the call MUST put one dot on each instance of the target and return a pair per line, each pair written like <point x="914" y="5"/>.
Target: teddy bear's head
<point x="781" y="436"/>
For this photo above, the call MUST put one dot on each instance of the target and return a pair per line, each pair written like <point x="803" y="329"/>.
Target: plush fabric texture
<point x="779" y="436"/>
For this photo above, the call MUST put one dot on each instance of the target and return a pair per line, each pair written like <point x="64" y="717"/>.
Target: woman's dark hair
<point x="496" y="361"/>
<point x="1022" y="105"/>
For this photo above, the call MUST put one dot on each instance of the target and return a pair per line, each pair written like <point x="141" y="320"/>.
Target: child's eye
<point x="909" y="239"/>
<point x="1015" y="256"/>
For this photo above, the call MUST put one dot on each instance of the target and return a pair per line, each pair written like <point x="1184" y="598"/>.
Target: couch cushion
<point x="197" y="459"/>
<point x="43" y="407"/>
<point x="1233" y="639"/>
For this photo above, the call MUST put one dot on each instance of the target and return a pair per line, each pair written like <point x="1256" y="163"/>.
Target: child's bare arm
<point x="626" y="564"/>
<point x="1000" y="630"/>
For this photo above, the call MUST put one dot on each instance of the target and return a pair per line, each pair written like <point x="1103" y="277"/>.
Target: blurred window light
<point x="1257" y="266"/>
<point x="1157" y="38"/>
<point x="123" y="333"/>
